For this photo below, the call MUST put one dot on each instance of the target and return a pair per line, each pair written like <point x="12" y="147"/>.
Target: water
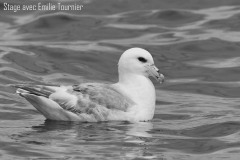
<point x="195" y="43"/>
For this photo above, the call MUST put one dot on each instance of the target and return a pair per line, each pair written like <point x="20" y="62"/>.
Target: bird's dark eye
<point x="142" y="59"/>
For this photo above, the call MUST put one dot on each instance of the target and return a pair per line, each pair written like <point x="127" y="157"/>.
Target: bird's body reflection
<point x="87" y="138"/>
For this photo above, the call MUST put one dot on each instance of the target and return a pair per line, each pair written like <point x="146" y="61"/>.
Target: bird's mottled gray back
<point x="103" y="95"/>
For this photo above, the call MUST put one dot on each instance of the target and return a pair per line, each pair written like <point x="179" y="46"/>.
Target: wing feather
<point x="89" y="100"/>
<point x="104" y="95"/>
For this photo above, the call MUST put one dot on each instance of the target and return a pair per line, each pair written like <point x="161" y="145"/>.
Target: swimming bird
<point x="132" y="98"/>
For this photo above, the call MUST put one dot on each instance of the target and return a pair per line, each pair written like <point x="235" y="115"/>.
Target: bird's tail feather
<point x="38" y="96"/>
<point x="49" y="108"/>
<point x="38" y="90"/>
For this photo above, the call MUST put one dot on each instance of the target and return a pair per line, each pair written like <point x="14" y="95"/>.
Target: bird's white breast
<point x="141" y="90"/>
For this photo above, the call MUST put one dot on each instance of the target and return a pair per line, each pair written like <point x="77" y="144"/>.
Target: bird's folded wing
<point x="81" y="98"/>
<point x="92" y="94"/>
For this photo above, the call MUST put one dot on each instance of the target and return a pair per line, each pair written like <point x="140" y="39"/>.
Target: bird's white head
<point x="138" y="61"/>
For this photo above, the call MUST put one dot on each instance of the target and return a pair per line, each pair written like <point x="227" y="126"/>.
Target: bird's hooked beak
<point x="154" y="72"/>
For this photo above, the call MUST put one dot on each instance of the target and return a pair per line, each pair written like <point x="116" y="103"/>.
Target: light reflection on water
<point x="196" y="46"/>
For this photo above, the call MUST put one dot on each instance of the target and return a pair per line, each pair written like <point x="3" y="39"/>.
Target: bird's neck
<point x="141" y="90"/>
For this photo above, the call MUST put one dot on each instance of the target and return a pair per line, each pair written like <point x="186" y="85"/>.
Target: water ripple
<point x="195" y="44"/>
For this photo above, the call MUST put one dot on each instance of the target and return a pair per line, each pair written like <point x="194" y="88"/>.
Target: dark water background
<point x="195" y="43"/>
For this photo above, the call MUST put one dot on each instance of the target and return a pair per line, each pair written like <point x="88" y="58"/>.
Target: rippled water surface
<point x="195" y="43"/>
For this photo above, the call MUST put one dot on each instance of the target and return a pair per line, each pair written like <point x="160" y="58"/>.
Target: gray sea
<point x="195" y="43"/>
